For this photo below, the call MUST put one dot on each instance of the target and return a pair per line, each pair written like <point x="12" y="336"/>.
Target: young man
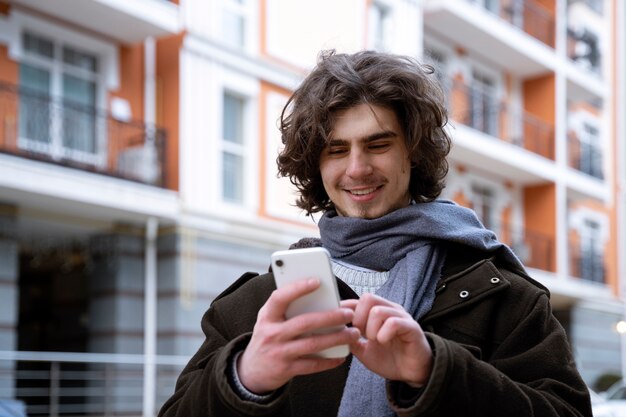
<point x="444" y="319"/>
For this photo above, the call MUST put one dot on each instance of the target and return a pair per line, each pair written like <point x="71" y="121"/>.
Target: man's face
<point x="365" y="167"/>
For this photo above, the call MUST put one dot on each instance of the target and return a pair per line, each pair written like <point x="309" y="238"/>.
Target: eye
<point x="336" y="150"/>
<point x="379" y="146"/>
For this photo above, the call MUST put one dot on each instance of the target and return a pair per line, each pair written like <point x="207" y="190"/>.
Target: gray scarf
<point x="404" y="242"/>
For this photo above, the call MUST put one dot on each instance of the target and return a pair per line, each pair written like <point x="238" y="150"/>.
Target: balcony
<point x="125" y="21"/>
<point x="528" y="15"/>
<point x="585" y="157"/>
<point x="519" y="33"/>
<point x="482" y="111"/>
<point x="587" y="264"/>
<point x="48" y="129"/>
<point x="535" y="249"/>
<point x="584" y="50"/>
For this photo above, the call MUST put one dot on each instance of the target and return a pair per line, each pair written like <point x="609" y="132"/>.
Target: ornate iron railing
<point x="476" y="108"/>
<point x="45" y="128"/>
<point x="535" y="249"/>
<point x="585" y="157"/>
<point x="528" y="15"/>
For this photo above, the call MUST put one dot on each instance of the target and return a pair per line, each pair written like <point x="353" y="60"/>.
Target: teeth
<point x="363" y="192"/>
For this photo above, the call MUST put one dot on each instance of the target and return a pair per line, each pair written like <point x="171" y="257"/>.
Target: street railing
<point x="86" y="384"/>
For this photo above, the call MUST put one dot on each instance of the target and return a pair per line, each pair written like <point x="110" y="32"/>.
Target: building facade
<point x="137" y="168"/>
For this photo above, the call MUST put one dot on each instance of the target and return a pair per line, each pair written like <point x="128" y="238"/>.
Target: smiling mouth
<point x="364" y="191"/>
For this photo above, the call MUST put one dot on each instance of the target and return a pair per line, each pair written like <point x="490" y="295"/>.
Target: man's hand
<point x="280" y="349"/>
<point x="394" y="345"/>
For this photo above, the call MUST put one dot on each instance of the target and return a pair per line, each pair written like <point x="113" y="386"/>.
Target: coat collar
<point x="466" y="288"/>
<point x="460" y="290"/>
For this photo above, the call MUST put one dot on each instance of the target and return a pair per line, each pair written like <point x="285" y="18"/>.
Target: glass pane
<point x="38" y="45"/>
<point x="232" y="183"/>
<point x="233" y="119"/>
<point x="34" y="117"/>
<point x="233" y="29"/>
<point x="79" y="116"/>
<point x="80" y="59"/>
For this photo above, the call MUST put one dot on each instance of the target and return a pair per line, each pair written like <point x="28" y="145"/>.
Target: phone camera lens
<point x="279" y="263"/>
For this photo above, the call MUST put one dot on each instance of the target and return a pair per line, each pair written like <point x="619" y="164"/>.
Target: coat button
<point x="495" y="280"/>
<point x="464" y="294"/>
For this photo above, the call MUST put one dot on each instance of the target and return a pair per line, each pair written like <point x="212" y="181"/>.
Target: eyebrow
<point x="383" y="134"/>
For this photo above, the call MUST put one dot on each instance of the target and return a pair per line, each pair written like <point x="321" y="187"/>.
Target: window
<point x="591" y="262"/>
<point x="59" y="87"/>
<point x="438" y="60"/>
<point x="482" y="199"/>
<point x="590" y="151"/>
<point x="379" y="26"/>
<point x="233" y="148"/>
<point x="483" y="104"/>
<point x="234" y="23"/>
<point x="491" y="5"/>
<point x="586" y="51"/>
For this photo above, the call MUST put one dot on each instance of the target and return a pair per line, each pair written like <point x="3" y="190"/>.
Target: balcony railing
<point x="49" y="129"/>
<point x="480" y="110"/>
<point x="528" y="15"/>
<point x="535" y="249"/>
<point x="585" y="157"/>
<point x="83" y="384"/>
<point x="588" y="265"/>
<point x="583" y="47"/>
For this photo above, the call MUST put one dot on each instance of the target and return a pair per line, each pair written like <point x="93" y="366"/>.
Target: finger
<point x="377" y="318"/>
<point x="312" y="322"/>
<point x="350" y="303"/>
<point x="312" y="365"/>
<point x="315" y="343"/>
<point x="277" y="303"/>
<point x="365" y="304"/>
<point x="407" y="330"/>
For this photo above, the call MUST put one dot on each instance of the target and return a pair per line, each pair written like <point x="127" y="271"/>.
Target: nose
<point x="359" y="164"/>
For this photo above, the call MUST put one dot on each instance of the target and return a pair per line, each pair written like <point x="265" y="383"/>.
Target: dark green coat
<point x="499" y="352"/>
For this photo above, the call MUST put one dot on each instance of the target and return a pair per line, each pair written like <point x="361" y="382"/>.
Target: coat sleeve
<point x="203" y="388"/>
<point x="530" y="374"/>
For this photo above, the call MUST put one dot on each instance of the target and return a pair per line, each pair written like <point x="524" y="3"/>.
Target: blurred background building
<point x="137" y="168"/>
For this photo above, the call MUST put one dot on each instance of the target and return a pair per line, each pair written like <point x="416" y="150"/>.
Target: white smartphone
<point x="292" y="265"/>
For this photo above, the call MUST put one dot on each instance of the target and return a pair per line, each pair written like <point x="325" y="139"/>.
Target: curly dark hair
<point x="341" y="81"/>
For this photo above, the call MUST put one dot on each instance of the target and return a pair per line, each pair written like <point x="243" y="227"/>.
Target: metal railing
<point x="583" y="47"/>
<point x="585" y="157"/>
<point x="528" y="15"/>
<point x="588" y="265"/>
<point x="86" y="384"/>
<point x="44" y="128"/>
<point x="481" y="110"/>
<point x="535" y="249"/>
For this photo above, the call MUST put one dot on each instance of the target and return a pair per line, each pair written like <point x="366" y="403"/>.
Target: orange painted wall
<point x="540" y="220"/>
<point x="125" y="135"/>
<point x="132" y="78"/>
<point x="9" y="70"/>
<point x="461" y="200"/>
<point x="539" y="97"/>
<point x="539" y="102"/>
<point x="9" y="73"/>
<point x="4" y="8"/>
<point x="168" y="96"/>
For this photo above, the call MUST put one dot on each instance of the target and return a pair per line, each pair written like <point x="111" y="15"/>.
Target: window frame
<point x="106" y="77"/>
